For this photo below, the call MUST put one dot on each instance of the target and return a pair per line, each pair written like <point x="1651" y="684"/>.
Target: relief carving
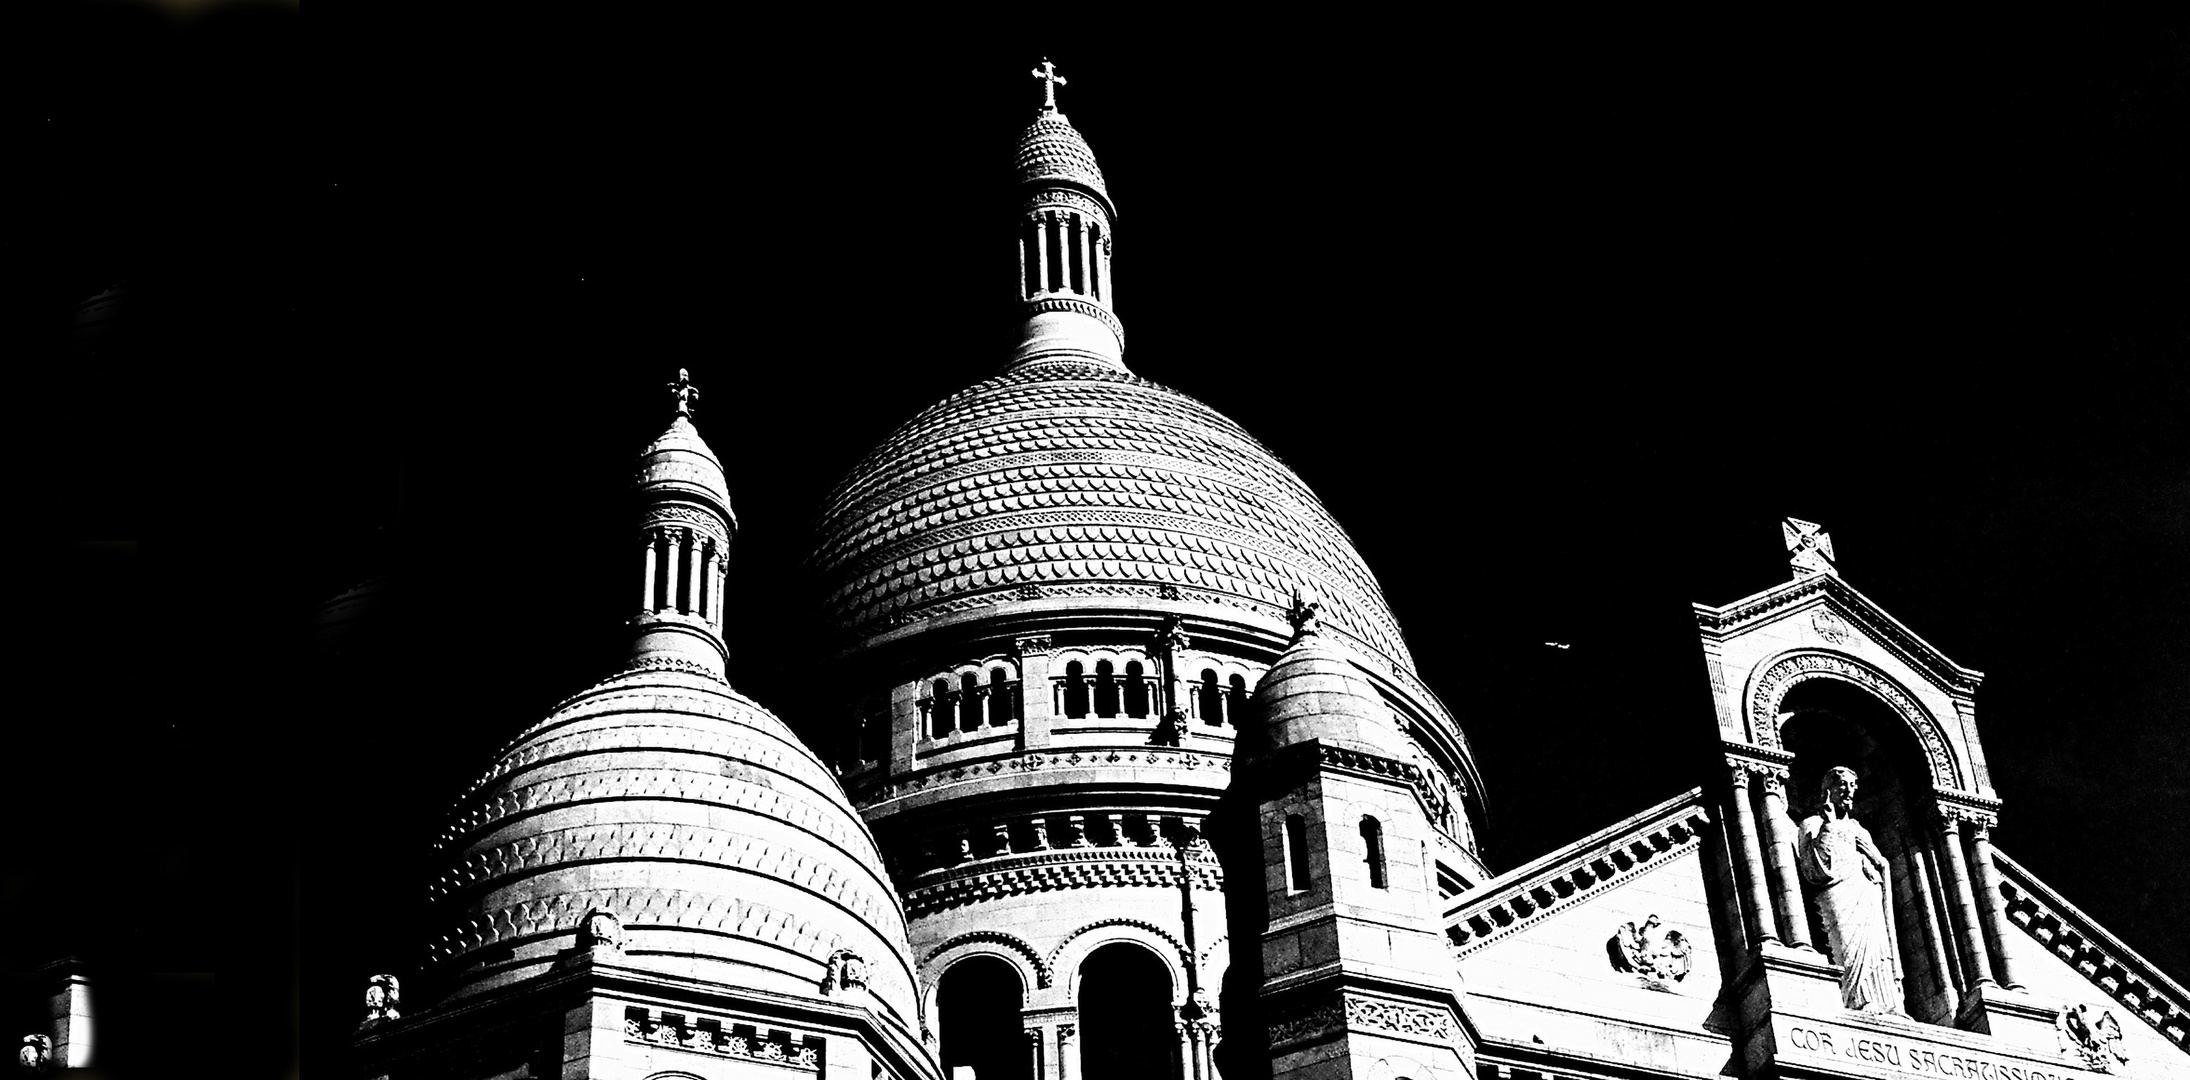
<point x="2098" y="1041"/>
<point x="1656" y="955"/>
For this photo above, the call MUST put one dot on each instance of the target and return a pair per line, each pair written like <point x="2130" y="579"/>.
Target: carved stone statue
<point x="2097" y="1040"/>
<point x="600" y="930"/>
<point x="383" y="995"/>
<point x="1854" y="896"/>
<point x="1307" y="613"/>
<point x="847" y="970"/>
<point x="36" y="1055"/>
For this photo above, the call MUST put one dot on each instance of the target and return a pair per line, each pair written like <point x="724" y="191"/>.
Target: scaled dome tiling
<point x="1083" y="480"/>
<point x="724" y="846"/>
<point x="1051" y="149"/>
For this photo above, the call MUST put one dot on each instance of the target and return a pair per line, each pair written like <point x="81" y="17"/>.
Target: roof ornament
<point x="1306" y="614"/>
<point x="1050" y="82"/>
<point x="1809" y="547"/>
<point x="688" y="397"/>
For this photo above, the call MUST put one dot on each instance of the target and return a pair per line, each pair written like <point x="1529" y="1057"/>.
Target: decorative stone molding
<point x="1036" y="643"/>
<point x="1015" y="945"/>
<point x="1178" y="951"/>
<point x="724" y="1038"/>
<point x="1768" y="689"/>
<point x="1056" y="198"/>
<point x="1159" y="757"/>
<point x="1829" y="626"/>
<point x="1066" y="302"/>
<point x="1349" y="1010"/>
<point x="2056" y="925"/>
<point x="1717" y="623"/>
<point x="2093" y="1035"/>
<point x="1502" y="906"/>
<point x="1081" y="868"/>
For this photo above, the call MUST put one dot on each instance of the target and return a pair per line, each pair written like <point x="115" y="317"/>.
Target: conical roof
<point x="678" y="460"/>
<point x="1052" y="151"/>
<point x="722" y="844"/>
<point x="1069" y="480"/>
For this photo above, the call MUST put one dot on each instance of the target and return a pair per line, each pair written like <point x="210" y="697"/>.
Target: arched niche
<point x="979" y="999"/>
<point x="1773" y="682"/>
<point x="1127" y="1031"/>
<point x="1827" y="723"/>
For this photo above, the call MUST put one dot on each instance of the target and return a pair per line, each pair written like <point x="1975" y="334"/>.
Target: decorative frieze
<point x="724" y="1038"/>
<point x="1081" y="868"/>
<point x="2143" y="990"/>
<point x="1156" y="757"/>
<point x="1351" y="1011"/>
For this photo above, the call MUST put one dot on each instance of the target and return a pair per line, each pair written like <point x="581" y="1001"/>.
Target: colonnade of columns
<point x="1956" y="865"/>
<point x="1053" y="1050"/>
<point x="685" y="572"/>
<point x="1080" y="246"/>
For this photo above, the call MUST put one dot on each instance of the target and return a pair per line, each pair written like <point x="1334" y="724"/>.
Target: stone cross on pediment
<point x="1809" y="547"/>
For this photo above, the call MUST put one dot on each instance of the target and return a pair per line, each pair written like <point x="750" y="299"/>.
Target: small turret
<point x="1065" y="221"/>
<point x="685" y="528"/>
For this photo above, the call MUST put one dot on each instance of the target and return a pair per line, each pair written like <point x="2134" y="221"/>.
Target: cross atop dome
<point x="1050" y="82"/>
<point x="683" y="391"/>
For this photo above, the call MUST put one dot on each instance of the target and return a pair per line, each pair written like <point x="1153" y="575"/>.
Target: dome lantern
<point x="685" y="527"/>
<point x="1064" y="240"/>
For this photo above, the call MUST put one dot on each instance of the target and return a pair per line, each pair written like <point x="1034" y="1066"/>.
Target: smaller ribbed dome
<point x="1316" y="691"/>
<point x="679" y="460"/>
<point x="1052" y="151"/>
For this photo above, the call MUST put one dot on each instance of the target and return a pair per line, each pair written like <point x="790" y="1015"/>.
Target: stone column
<point x="1749" y="862"/>
<point x="1068" y="1051"/>
<point x="1034" y="1053"/>
<point x="1187" y="1064"/>
<point x="722" y="582"/>
<point x="904" y="726"/>
<point x="1087" y="256"/>
<point x="1021" y="244"/>
<point x="1974" y="961"/>
<point x="653" y="566"/>
<point x="1041" y="252"/>
<point x="1990" y="905"/>
<point x="672" y="555"/>
<point x="1793" y="917"/>
<point x="1037" y="704"/>
<point x="703" y="578"/>
<point x="1937" y="943"/>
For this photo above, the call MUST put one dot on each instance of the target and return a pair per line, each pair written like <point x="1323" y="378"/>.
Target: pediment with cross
<point x="1817" y="626"/>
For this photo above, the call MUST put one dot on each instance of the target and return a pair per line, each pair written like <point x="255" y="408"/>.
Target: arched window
<point x="1075" y="690"/>
<point x="1236" y="700"/>
<point x="1002" y="706"/>
<point x="1126" y="1023"/>
<point x="1106" y="689"/>
<point x="1296" y="853"/>
<point x="939" y="709"/>
<point x="977" y="1018"/>
<point x="1372" y="841"/>
<point x="969" y="702"/>
<point x="1136" y="689"/>
<point x="1211" y="699"/>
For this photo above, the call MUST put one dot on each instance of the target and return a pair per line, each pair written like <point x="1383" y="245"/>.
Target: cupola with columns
<point x="685" y="528"/>
<point x="1065" y="222"/>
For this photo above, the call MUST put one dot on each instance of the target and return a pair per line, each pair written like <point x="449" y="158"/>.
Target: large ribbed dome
<point x="718" y="839"/>
<point x="1066" y="479"/>
<point x="1051" y="150"/>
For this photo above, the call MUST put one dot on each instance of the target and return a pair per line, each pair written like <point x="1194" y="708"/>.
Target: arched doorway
<point x="1127" y="1031"/>
<point x="977" y="1015"/>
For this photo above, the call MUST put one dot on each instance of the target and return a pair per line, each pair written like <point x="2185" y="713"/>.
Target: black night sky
<point x="1559" y="317"/>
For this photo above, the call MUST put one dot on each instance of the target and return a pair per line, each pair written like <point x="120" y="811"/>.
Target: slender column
<point x="1965" y="904"/>
<point x="1990" y="904"/>
<point x="1020" y="242"/>
<point x="1041" y="252"/>
<point x="1188" y="1066"/>
<point x="722" y="581"/>
<point x="1068" y="1051"/>
<point x="1103" y="258"/>
<point x="653" y="566"/>
<point x="1793" y="917"/>
<point x="670" y="558"/>
<point x="1095" y="268"/>
<point x="1749" y="862"/>
<point x="1034" y="1053"/>
<point x="1930" y="919"/>
<point x="703" y="578"/>
<point x="1087" y="257"/>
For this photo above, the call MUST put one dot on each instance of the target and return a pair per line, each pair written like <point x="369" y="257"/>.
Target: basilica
<point x="1141" y="779"/>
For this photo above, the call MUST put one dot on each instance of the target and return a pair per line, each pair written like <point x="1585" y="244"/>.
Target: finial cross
<point x="683" y="391"/>
<point x="1050" y="82"/>
<point x="1809" y="547"/>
